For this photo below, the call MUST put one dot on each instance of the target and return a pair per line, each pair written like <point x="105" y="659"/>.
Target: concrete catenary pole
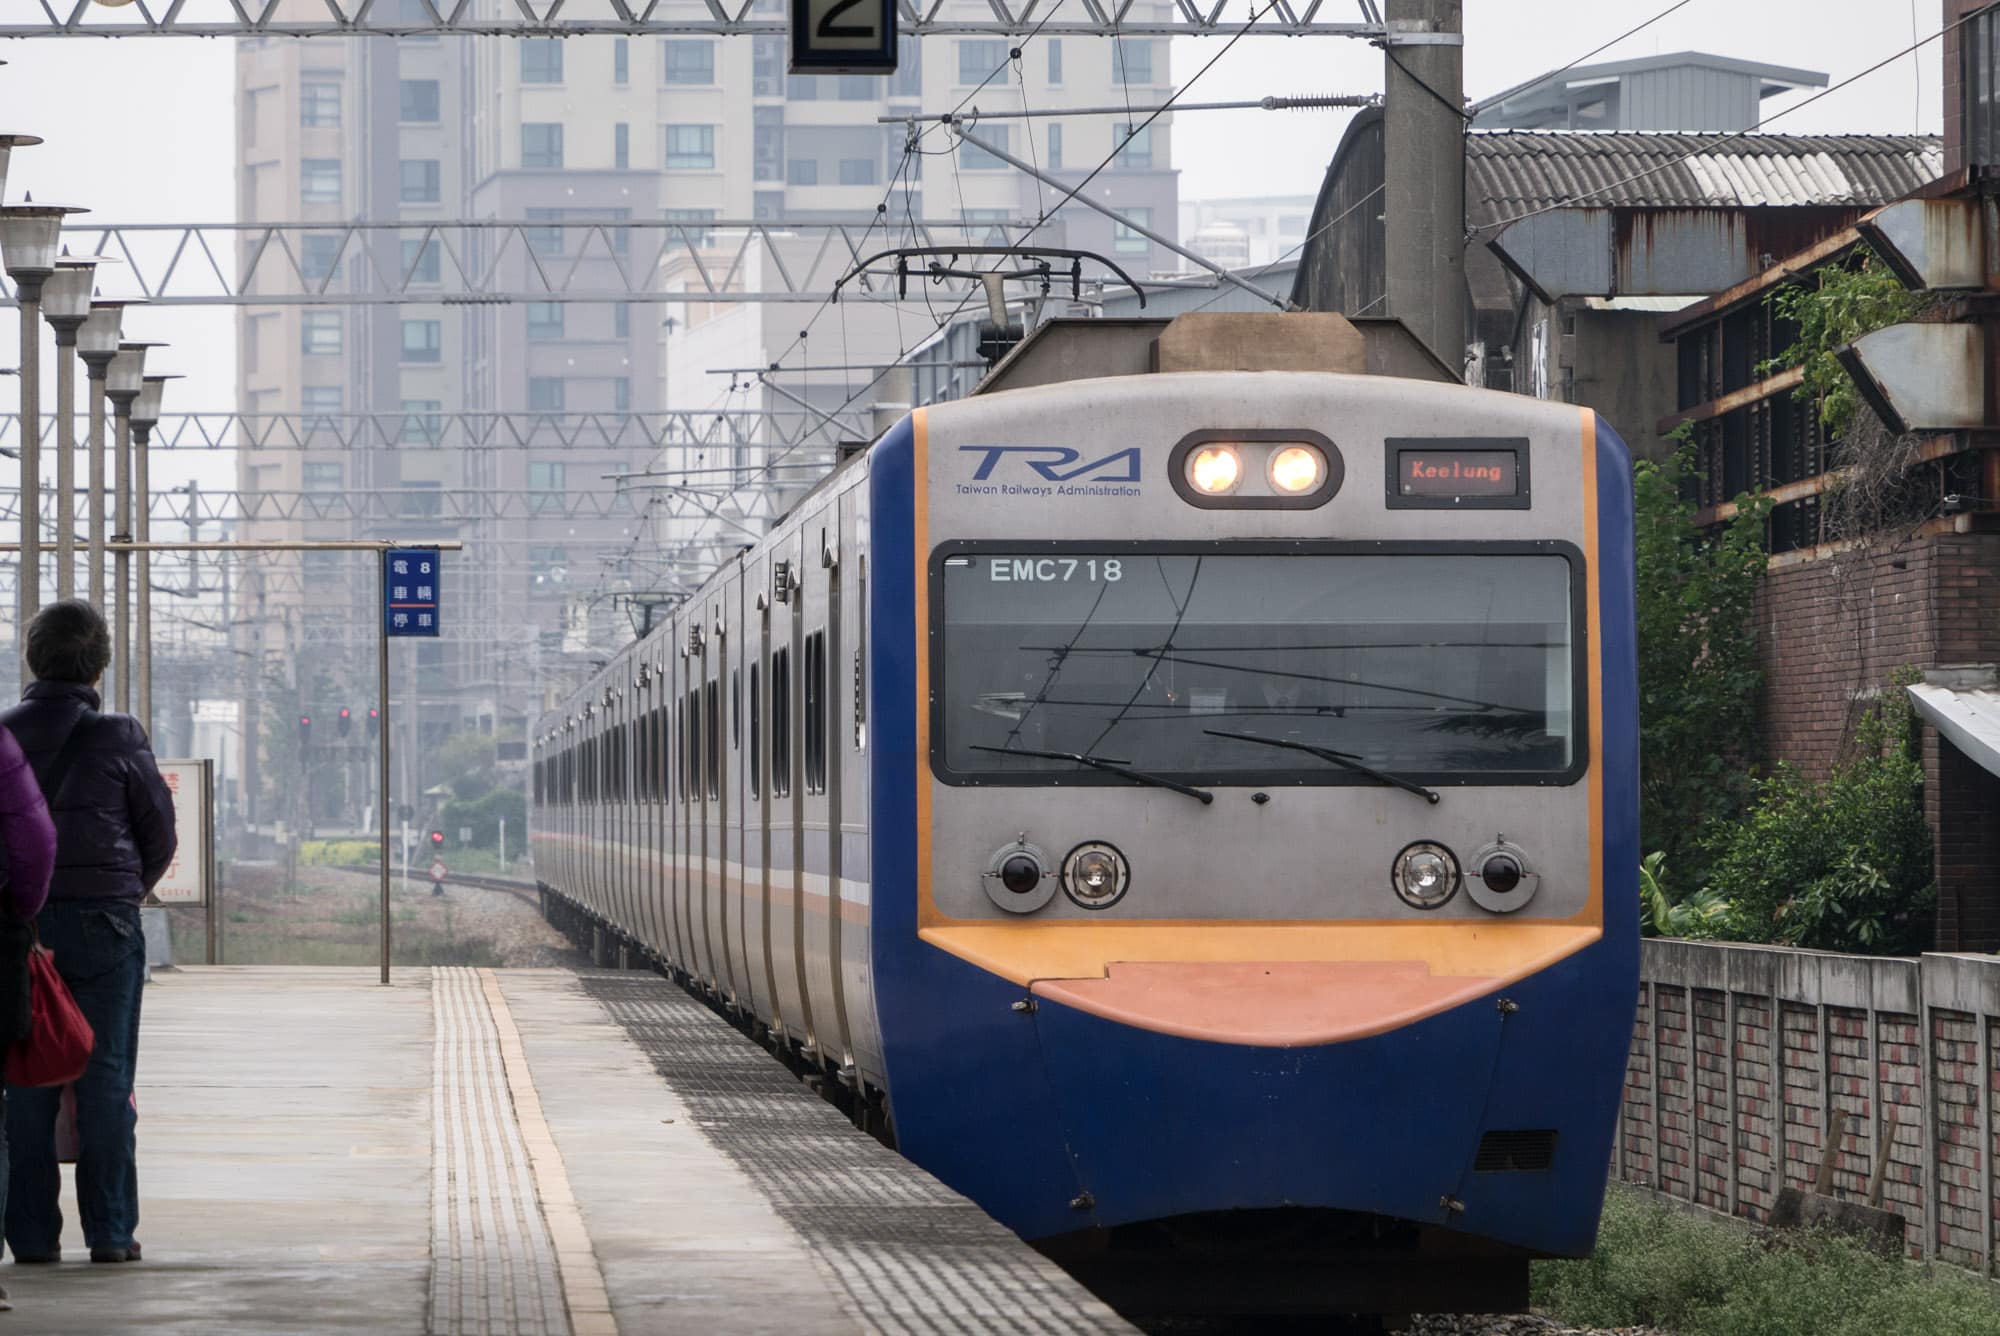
<point x="1423" y="199"/>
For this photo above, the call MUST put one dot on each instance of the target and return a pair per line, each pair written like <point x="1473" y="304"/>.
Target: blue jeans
<point x="100" y="952"/>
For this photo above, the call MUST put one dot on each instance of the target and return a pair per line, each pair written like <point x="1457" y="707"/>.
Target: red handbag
<point x="59" y="1040"/>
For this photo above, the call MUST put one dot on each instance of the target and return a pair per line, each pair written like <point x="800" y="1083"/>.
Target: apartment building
<point x="600" y="132"/>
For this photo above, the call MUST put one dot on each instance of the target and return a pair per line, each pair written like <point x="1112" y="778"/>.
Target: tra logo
<point x="1058" y="463"/>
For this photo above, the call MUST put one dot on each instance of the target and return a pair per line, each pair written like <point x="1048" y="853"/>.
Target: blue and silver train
<point x="1193" y="814"/>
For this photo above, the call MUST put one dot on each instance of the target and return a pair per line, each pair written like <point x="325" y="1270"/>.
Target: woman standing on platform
<point x="28" y="847"/>
<point x="114" y="822"/>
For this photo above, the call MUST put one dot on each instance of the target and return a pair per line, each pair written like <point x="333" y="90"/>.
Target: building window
<point x="1055" y="148"/>
<point x="767" y="57"/>
<point x="689" y="147"/>
<point x="858" y="87"/>
<point x="1135" y="148"/>
<point x="419" y="101"/>
<point x="621" y="394"/>
<point x="767" y="143"/>
<point x="1134" y="61"/>
<point x="621" y="321"/>
<point x="545" y="484"/>
<point x="621" y="61"/>
<point x="422" y="181"/>
<point x="423" y="340"/>
<point x="543" y="240"/>
<point x="687" y="61"/>
<point x="547" y="562"/>
<point x="318" y="252"/>
<point x="995" y="235"/>
<point x="413" y="13"/>
<point x="857" y="171"/>
<point x="319" y="333"/>
<point x="972" y="158"/>
<point x="1979" y="87"/>
<point x="420" y="261"/>
<point x="422" y="500"/>
<point x="319" y="106"/>
<point x="315" y="402"/>
<point x="801" y="88"/>
<point x="545" y="394"/>
<point x="321" y="477"/>
<point x="1055" y="60"/>
<point x="621" y="146"/>
<point x="319" y="181"/>
<point x="423" y="422"/>
<point x="541" y="144"/>
<point x="541" y="60"/>
<point x="1127" y="242"/>
<point x="978" y="60"/>
<point x="802" y="172"/>
<point x="545" y="320"/>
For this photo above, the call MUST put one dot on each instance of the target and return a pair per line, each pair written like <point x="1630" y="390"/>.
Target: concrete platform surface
<point x="472" y="1151"/>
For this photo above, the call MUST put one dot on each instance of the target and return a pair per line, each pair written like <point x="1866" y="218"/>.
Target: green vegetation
<point x="1698" y="673"/>
<point x="1844" y="863"/>
<point x="1842" y="305"/>
<point x="1694" y="1276"/>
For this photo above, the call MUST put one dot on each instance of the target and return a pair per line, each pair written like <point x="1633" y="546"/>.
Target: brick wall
<point x="1742" y="1054"/>
<point x="1830" y="631"/>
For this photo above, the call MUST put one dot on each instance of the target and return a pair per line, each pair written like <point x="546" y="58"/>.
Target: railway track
<point x="525" y="890"/>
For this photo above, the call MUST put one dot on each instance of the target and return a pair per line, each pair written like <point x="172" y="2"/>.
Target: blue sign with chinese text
<point x="410" y="604"/>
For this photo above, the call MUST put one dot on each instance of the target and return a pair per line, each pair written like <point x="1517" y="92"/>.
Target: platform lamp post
<point x="145" y="412"/>
<point x="97" y="345"/>
<point x="66" y="305"/>
<point x="122" y="385"/>
<point x="28" y="235"/>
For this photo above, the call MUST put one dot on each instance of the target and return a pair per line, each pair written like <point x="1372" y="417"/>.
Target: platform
<point x="477" y="1151"/>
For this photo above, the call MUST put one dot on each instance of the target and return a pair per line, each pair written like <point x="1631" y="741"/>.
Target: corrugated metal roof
<point x="1509" y="172"/>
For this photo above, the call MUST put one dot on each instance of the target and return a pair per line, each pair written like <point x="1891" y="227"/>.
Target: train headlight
<point x="1095" y="875"/>
<point x="1425" y="875"/>
<point x="1500" y="879"/>
<point x="1214" y="470"/>
<point x="1018" y="878"/>
<point x="1295" y="469"/>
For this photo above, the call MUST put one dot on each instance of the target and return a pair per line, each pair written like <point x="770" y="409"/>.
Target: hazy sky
<point x="152" y="138"/>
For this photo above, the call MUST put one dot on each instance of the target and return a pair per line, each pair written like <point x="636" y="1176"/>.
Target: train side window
<point x="735" y="709"/>
<point x="712" y="742"/>
<point x="781" y="723"/>
<point x="642" y="777"/>
<point x="815" y="711"/>
<point x="756" y="737"/>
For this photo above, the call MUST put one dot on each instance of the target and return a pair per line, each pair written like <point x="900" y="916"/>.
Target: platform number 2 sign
<point x="844" y="36"/>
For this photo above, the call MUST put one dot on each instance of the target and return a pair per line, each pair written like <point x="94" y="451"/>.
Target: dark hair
<point x="68" y="642"/>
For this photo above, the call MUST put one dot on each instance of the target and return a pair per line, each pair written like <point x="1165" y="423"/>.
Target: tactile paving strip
<point x="493" y="1268"/>
<point x="910" y="1254"/>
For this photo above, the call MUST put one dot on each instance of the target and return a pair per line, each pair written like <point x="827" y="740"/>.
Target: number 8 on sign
<point x="844" y="36"/>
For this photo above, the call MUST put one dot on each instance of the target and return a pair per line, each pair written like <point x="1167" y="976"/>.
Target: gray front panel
<point x="1308" y="852"/>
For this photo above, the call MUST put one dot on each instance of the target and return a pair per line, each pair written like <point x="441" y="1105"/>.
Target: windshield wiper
<point x="1108" y="767"/>
<point x="1341" y="759"/>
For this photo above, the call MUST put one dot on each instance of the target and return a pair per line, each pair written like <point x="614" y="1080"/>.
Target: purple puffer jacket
<point x="27" y="835"/>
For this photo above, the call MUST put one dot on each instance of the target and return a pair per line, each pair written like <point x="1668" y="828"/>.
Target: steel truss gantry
<point x="474" y="262"/>
<point x="611" y="432"/>
<point x="639" y="18"/>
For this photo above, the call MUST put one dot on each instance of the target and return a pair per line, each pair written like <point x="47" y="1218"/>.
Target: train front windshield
<point x="1442" y="664"/>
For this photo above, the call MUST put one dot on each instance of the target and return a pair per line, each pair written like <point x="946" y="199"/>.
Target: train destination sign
<point x="1458" y="472"/>
<point x="843" y="36"/>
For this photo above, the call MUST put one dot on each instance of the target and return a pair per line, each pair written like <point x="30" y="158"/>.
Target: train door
<point x="787" y="796"/>
<point x="729" y="864"/>
<point x="656" y="801"/>
<point x="715" y="656"/>
<point x="850" y="743"/>
<point x="742" y="652"/>
<point x="683" y="723"/>
<point x="757" y="897"/>
<point x="819" y="718"/>
<point x="621" y="861"/>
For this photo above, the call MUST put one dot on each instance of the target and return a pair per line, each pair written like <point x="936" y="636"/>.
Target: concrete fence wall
<point x="1740" y="1055"/>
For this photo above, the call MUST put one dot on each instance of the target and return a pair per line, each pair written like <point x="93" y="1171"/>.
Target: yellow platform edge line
<point x="585" y="1298"/>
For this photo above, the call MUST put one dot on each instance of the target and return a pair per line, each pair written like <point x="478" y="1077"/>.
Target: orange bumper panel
<point x="1277" y="1004"/>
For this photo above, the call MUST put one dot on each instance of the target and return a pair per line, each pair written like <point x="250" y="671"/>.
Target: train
<point x="1192" y="812"/>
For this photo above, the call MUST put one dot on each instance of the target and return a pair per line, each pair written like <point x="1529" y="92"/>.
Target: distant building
<point x="1688" y="90"/>
<point x="1246" y="230"/>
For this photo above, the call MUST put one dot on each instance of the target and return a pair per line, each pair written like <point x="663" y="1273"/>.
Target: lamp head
<point x="128" y="369"/>
<point x="146" y="408"/>
<point x="66" y="294"/>
<point x="28" y="235"/>
<point x="98" y="338"/>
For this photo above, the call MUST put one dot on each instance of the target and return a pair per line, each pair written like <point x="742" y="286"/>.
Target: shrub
<point x="1842" y="864"/>
<point x="1698" y="673"/>
<point x="338" y="853"/>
